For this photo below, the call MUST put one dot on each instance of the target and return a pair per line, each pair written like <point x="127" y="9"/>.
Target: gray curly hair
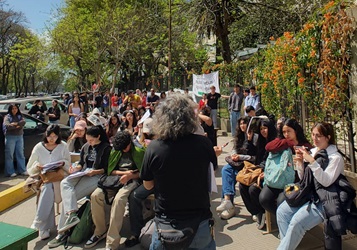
<point x="175" y="117"/>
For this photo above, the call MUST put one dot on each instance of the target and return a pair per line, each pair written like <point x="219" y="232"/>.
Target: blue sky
<point x="37" y="12"/>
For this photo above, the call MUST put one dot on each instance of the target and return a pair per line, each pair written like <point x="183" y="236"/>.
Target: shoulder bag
<point x="249" y="174"/>
<point x="53" y="175"/>
<point x="110" y="184"/>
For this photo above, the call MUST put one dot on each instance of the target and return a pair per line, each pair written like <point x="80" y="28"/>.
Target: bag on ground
<point x="85" y="228"/>
<point x="249" y="174"/>
<point x="279" y="169"/>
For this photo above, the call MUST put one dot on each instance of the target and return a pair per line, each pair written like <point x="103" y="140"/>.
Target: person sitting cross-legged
<point x="125" y="160"/>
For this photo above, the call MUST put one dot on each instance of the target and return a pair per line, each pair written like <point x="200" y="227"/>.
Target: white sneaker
<point x="44" y="234"/>
<point x="228" y="213"/>
<point x="13" y="175"/>
<point x="254" y="218"/>
<point x="25" y="173"/>
<point x="225" y="204"/>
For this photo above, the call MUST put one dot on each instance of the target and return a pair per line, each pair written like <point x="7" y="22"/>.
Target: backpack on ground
<point x="279" y="169"/>
<point x="85" y="228"/>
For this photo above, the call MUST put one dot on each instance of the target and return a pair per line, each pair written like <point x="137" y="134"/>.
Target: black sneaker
<point x="132" y="241"/>
<point x="71" y="221"/>
<point x="94" y="240"/>
<point x="60" y="239"/>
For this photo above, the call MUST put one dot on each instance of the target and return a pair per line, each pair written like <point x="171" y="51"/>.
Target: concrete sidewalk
<point x="239" y="232"/>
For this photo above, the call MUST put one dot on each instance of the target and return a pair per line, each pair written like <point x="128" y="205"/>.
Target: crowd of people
<point x="150" y="142"/>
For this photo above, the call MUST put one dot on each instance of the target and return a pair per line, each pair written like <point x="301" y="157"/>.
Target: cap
<point x="81" y="125"/>
<point x="95" y="111"/>
<point x="147" y="126"/>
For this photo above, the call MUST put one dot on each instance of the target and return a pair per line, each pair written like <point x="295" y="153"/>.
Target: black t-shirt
<point x="154" y="98"/>
<point x="180" y="173"/>
<point x="98" y="101"/>
<point x="212" y="100"/>
<point x="126" y="162"/>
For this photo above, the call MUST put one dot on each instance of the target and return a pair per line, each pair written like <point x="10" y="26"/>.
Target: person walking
<point x="179" y="154"/>
<point x="14" y="123"/>
<point x="234" y="106"/>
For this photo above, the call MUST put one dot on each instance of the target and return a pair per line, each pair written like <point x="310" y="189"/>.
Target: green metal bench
<point x="14" y="237"/>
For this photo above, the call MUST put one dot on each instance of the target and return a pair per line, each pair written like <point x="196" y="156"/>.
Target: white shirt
<point x="40" y="156"/>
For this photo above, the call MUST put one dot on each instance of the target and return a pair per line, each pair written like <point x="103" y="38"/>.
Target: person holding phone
<point x="291" y="134"/>
<point x="244" y="149"/>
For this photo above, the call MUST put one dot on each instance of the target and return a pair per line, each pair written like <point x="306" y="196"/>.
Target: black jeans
<point x="270" y="198"/>
<point x="136" y="199"/>
<point x="250" y="196"/>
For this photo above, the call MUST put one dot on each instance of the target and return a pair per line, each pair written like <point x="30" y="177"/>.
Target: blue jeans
<point x="202" y="240"/>
<point x="293" y="223"/>
<point x="229" y="182"/>
<point x="72" y="121"/>
<point x="233" y="117"/>
<point x="14" y="144"/>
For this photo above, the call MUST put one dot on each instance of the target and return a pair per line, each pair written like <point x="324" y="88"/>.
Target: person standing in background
<point x="212" y="102"/>
<point x="105" y="103"/>
<point x="253" y="99"/>
<point x="14" y="124"/>
<point x="234" y="106"/>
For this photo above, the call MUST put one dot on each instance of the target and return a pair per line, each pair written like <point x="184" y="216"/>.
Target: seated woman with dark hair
<point x="244" y="149"/>
<point x="250" y="194"/>
<point x="113" y="125"/>
<point x="77" y="138"/>
<point x="93" y="162"/>
<point x="291" y="134"/>
<point x="51" y="149"/>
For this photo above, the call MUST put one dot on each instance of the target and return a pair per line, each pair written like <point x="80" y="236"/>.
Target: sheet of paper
<point x="213" y="186"/>
<point x="78" y="174"/>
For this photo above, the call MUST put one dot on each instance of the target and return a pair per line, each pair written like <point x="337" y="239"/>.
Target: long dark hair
<point x="135" y="120"/>
<point x="292" y="123"/>
<point x="53" y="128"/>
<point x="96" y="131"/>
<point x="9" y="110"/>
<point x="240" y="135"/>
<point x="262" y="142"/>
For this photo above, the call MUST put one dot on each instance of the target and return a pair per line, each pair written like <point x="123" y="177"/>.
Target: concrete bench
<point x="15" y="237"/>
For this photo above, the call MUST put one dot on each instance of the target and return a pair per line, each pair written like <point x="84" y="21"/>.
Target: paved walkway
<point x="239" y="232"/>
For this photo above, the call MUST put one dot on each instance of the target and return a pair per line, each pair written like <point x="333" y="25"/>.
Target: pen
<point x="225" y="145"/>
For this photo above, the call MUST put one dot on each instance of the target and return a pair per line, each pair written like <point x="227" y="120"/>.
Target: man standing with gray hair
<point x="179" y="154"/>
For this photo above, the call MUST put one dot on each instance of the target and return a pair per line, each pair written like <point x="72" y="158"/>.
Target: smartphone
<point x="300" y="147"/>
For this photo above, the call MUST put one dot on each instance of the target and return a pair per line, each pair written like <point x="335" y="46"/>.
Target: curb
<point x="12" y="196"/>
